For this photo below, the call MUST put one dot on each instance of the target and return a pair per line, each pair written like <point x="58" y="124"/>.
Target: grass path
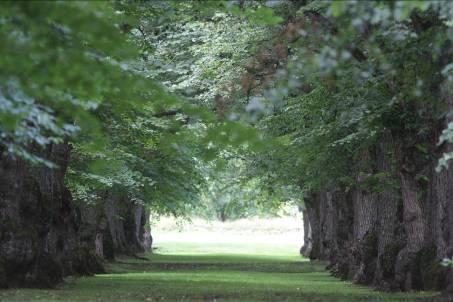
<point x="210" y="272"/>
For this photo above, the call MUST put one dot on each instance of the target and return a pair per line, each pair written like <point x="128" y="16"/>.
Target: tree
<point x="360" y="131"/>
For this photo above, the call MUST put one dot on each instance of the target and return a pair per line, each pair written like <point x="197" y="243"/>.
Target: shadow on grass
<point x="221" y="262"/>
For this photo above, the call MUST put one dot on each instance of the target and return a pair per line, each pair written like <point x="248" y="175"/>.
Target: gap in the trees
<point x="282" y="235"/>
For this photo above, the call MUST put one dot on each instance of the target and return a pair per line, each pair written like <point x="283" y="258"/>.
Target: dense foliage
<point x="87" y="74"/>
<point x="360" y="70"/>
<point x="324" y="89"/>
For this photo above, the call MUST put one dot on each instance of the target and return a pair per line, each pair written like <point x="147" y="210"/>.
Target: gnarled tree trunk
<point x="39" y="240"/>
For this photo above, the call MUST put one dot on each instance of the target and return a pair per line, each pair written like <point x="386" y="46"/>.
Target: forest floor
<point x="211" y="271"/>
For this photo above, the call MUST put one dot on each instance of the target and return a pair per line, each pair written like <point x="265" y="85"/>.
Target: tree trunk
<point x="328" y="225"/>
<point x="364" y="245"/>
<point x="146" y="237"/>
<point x="39" y="239"/>
<point x="127" y="224"/>
<point x="307" y="247"/>
<point x="311" y="208"/>
<point x="406" y="265"/>
<point x="341" y="257"/>
<point x="388" y="225"/>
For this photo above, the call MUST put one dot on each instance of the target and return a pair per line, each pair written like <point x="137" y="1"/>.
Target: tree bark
<point x="128" y="230"/>
<point x="307" y="247"/>
<point x="39" y="239"/>
<point x="311" y="208"/>
<point x="363" y="253"/>
<point x="388" y="225"/>
<point x="406" y="264"/>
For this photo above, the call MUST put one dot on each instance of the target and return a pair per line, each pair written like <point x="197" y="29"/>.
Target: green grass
<point x="191" y="272"/>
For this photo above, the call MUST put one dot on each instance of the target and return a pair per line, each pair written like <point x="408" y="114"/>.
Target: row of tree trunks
<point x="392" y="229"/>
<point x="117" y="226"/>
<point x="128" y="231"/>
<point x="39" y="224"/>
<point x="45" y="235"/>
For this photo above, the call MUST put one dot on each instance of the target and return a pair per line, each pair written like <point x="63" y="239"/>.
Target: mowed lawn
<point x="181" y="271"/>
